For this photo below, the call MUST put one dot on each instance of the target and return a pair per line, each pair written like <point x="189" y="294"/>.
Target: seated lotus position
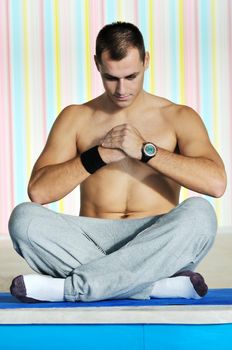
<point x="130" y="152"/>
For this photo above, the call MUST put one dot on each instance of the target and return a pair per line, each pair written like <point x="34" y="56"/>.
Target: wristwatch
<point x="149" y="151"/>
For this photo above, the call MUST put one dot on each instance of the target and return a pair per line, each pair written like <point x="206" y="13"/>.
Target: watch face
<point x="149" y="149"/>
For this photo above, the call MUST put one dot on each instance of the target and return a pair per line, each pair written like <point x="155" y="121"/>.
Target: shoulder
<point x="158" y="102"/>
<point x="73" y="116"/>
<point x="182" y="117"/>
<point x="176" y="114"/>
<point x="179" y="112"/>
<point x="185" y="112"/>
<point x="187" y="120"/>
<point x="168" y="109"/>
<point x="72" y="112"/>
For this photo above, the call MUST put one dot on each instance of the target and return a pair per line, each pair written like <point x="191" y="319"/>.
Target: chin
<point x="123" y="104"/>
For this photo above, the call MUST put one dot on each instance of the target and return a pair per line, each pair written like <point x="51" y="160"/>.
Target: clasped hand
<point x="123" y="137"/>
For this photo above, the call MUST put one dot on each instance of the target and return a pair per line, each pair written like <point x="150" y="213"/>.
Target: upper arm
<point x="192" y="136"/>
<point x="61" y="142"/>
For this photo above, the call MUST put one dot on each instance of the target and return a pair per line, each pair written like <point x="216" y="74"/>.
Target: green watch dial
<point x="150" y="149"/>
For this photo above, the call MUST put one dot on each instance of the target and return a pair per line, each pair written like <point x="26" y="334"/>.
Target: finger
<point x="112" y="146"/>
<point x="113" y="138"/>
<point x="120" y="127"/>
<point x="113" y="142"/>
<point x="118" y="133"/>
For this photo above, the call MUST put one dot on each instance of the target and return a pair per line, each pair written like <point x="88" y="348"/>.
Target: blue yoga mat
<point x="213" y="297"/>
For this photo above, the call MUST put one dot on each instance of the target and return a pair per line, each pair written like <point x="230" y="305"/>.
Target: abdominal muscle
<point x="114" y="194"/>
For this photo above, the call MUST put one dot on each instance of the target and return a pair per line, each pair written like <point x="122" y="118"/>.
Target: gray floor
<point x="216" y="267"/>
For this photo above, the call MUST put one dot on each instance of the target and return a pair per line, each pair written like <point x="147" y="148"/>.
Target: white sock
<point x="44" y="288"/>
<point x="175" y="287"/>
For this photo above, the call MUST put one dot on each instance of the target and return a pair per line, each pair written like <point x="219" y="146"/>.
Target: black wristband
<point x="91" y="160"/>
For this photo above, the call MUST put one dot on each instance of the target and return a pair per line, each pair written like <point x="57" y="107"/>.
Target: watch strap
<point x="144" y="158"/>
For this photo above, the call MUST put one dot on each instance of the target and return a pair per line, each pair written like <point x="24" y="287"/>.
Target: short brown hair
<point x="117" y="38"/>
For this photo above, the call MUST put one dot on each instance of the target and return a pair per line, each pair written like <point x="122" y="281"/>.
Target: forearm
<point x="195" y="173"/>
<point x="53" y="182"/>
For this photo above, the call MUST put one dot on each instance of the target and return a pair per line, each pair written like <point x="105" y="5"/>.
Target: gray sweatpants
<point x="113" y="258"/>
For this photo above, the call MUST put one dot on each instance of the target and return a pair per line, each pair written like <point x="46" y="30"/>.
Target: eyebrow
<point x="106" y="75"/>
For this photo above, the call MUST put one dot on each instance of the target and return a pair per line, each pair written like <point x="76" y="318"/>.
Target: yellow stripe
<point x="152" y="53"/>
<point x="57" y="71"/>
<point x="215" y="86"/>
<point x="181" y="51"/>
<point x="87" y="51"/>
<point x="27" y="94"/>
<point x="119" y="11"/>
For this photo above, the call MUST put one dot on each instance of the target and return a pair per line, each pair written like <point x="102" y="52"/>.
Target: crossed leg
<point x="131" y="265"/>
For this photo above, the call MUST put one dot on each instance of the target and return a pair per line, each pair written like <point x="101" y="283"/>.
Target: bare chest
<point x="158" y="131"/>
<point x="127" y="185"/>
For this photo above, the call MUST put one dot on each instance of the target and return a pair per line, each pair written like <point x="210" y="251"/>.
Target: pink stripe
<point x="230" y="68"/>
<point x="197" y="50"/>
<point x="6" y="139"/>
<point x="3" y="129"/>
<point x="136" y="12"/>
<point x="159" y="49"/>
<point x="42" y="57"/>
<point x="191" y="59"/>
<point x="103" y="13"/>
<point x="65" y="51"/>
<point x="190" y="54"/>
<point x="95" y="25"/>
<point x="196" y="101"/>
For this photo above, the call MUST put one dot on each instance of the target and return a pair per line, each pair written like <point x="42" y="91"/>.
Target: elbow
<point x="219" y="192"/>
<point x="34" y="194"/>
<point x="220" y="186"/>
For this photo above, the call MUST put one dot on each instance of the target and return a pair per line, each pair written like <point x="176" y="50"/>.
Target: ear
<point x="96" y="62"/>
<point x="146" y="60"/>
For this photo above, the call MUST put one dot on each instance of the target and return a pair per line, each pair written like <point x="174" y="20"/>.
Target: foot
<point x="185" y="284"/>
<point x="37" y="288"/>
<point x="197" y="281"/>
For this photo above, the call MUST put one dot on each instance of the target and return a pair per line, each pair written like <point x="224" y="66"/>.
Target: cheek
<point x="108" y="86"/>
<point x="138" y="84"/>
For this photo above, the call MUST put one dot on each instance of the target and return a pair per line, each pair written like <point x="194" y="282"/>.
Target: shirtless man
<point x="130" y="152"/>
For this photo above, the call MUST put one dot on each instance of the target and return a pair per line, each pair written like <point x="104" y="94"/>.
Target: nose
<point x="121" y="87"/>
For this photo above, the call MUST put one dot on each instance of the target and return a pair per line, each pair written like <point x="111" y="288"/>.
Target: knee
<point x="19" y="221"/>
<point x="200" y="207"/>
<point x="203" y="214"/>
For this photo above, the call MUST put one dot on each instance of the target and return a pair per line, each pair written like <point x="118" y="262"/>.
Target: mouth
<point x="122" y="97"/>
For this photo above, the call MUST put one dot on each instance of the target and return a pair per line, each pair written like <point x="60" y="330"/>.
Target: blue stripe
<point x="18" y="106"/>
<point x="206" y="93"/>
<point x="111" y="11"/>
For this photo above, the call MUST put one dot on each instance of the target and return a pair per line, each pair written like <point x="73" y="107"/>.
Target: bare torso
<point x="128" y="188"/>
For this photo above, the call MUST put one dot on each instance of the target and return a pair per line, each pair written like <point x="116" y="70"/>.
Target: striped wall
<point x="46" y="63"/>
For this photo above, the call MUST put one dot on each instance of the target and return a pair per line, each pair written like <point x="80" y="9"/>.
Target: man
<point x="130" y="152"/>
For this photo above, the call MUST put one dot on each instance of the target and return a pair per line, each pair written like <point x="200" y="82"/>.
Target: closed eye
<point x="131" y="77"/>
<point x="112" y="78"/>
